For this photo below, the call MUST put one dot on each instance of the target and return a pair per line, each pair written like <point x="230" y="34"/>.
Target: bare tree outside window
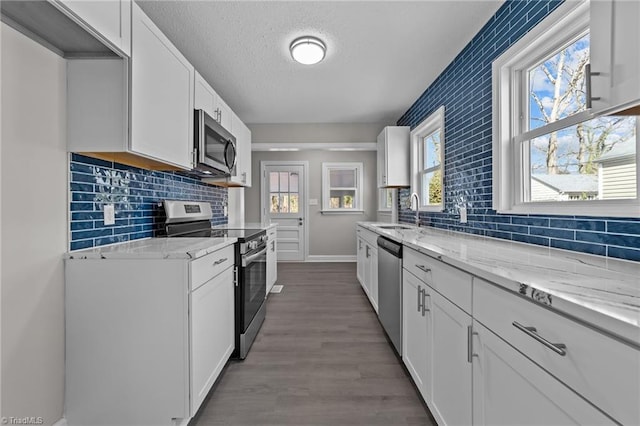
<point x="572" y="163"/>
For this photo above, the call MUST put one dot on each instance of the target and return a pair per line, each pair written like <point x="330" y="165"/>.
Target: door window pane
<point x="274" y="182"/>
<point x="275" y="206"/>
<point x="284" y="182"/>
<point x="293" y="182"/>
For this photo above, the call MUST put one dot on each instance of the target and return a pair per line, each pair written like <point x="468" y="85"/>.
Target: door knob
<point x="300" y="219"/>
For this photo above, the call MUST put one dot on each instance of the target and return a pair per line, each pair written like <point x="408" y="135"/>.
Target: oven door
<point x="253" y="281"/>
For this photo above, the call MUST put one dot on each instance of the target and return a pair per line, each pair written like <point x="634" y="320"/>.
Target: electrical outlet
<point x="225" y="211"/>
<point x="109" y="214"/>
<point x="463" y="215"/>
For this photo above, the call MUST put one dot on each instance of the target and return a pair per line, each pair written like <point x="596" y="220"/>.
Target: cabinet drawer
<point x="600" y="368"/>
<point x="453" y="284"/>
<point x="207" y="267"/>
<point x="369" y="236"/>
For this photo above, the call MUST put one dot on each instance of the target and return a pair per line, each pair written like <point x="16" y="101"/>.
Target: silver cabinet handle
<point x="558" y="348"/>
<point x="359" y="244"/>
<point x="424" y="301"/>
<point x="420" y="300"/>
<point x="423" y="268"/>
<point x="588" y="75"/>
<point x="217" y="262"/>
<point x="273" y="246"/>
<point x="367" y="250"/>
<point x="469" y="343"/>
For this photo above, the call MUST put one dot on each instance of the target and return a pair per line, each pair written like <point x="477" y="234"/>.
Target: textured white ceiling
<point x="381" y="55"/>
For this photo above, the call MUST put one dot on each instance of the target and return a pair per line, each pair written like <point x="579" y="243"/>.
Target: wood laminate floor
<point x="321" y="358"/>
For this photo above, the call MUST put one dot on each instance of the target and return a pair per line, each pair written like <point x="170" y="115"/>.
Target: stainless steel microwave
<point x="215" y="147"/>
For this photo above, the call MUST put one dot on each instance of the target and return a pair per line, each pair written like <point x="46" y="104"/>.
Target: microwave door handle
<point x="228" y="146"/>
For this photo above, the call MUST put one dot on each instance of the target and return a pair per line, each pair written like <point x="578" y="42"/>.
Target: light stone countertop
<point x="155" y="248"/>
<point x="600" y="291"/>
<point x="248" y="225"/>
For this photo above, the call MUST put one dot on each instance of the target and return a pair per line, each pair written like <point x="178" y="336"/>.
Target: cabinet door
<point x="225" y="114"/>
<point x="393" y="156"/>
<point x="450" y="360"/>
<point x="509" y="389"/>
<point x="272" y="261"/>
<point x="161" y="95"/>
<point x="415" y="334"/>
<point x="212" y="333"/>
<point x="242" y="133"/>
<point x="360" y="246"/>
<point x="110" y="18"/>
<point x="373" y="288"/>
<point x="204" y="96"/>
<point x="615" y="53"/>
<point x="366" y="269"/>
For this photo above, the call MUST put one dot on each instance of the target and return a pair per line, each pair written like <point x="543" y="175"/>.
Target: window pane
<point x="284" y="203"/>
<point x="432" y="188"/>
<point x="284" y="181"/>
<point x="342" y="178"/>
<point x="557" y="85"/>
<point x="592" y="160"/>
<point x="273" y="181"/>
<point x="274" y="203"/>
<point x="342" y="199"/>
<point x="431" y="150"/>
<point x="293" y="203"/>
<point x="293" y="180"/>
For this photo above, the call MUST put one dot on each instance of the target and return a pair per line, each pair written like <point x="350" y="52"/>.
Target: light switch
<point x="109" y="214"/>
<point x="313" y="201"/>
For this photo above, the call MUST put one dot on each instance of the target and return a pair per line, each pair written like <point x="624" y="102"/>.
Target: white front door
<point x="283" y="202"/>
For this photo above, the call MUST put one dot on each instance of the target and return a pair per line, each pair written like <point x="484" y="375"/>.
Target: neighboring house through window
<point x="551" y="155"/>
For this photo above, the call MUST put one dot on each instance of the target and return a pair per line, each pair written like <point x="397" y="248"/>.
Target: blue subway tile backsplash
<point x="464" y="88"/>
<point x="135" y="193"/>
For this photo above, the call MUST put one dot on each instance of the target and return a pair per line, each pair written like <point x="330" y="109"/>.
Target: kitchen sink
<point x="394" y="227"/>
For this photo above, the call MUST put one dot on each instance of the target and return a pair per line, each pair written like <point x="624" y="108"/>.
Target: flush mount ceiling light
<point x="307" y="50"/>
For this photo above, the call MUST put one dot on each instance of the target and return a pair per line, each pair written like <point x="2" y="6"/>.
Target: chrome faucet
<point x="415" y="194"/>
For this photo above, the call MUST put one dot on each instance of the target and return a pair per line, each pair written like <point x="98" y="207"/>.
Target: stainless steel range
<point x="193" y="219"/>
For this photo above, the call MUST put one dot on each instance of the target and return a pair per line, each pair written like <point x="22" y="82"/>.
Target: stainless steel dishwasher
<point x="390" y="290"/>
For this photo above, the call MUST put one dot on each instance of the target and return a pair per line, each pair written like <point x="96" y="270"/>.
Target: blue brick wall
<point x="464" y="88"/>
<point x="135" y="194"/>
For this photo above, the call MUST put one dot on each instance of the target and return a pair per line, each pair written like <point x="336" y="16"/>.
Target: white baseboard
<point x="61" y="422"/>
<point x="331" y="258"/>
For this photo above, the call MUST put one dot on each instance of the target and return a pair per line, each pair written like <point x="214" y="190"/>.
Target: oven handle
<point x="246" y="260"/>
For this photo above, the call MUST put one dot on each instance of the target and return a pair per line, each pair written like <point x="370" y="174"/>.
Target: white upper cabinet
<point x="205" y="97"/>
<point x="615" y="55"/>
<point x="162" y="90"/>
<point x="111" y="19"/>
<point x="242" y="133"/>
<point x="224" y="114"/>
<point x="393" y="157"/>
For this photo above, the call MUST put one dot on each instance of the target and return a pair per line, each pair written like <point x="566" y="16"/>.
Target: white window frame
<point x="382" y="198"/>
<point x="358" y="199"/>
<point x="510" y="111"/>
<point x="428" y="126"/>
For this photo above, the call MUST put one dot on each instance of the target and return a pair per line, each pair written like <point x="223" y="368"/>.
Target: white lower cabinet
<point x="367" y="264"/>
<point x="212" y="333"/>
<point x="145" y="338"/>
<point x="416" y="334"/>
<point x="509" y="389"/>
<point x="272" y="258"/>
<point x="450" y="360"/>
<point x="436" y="349"/>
